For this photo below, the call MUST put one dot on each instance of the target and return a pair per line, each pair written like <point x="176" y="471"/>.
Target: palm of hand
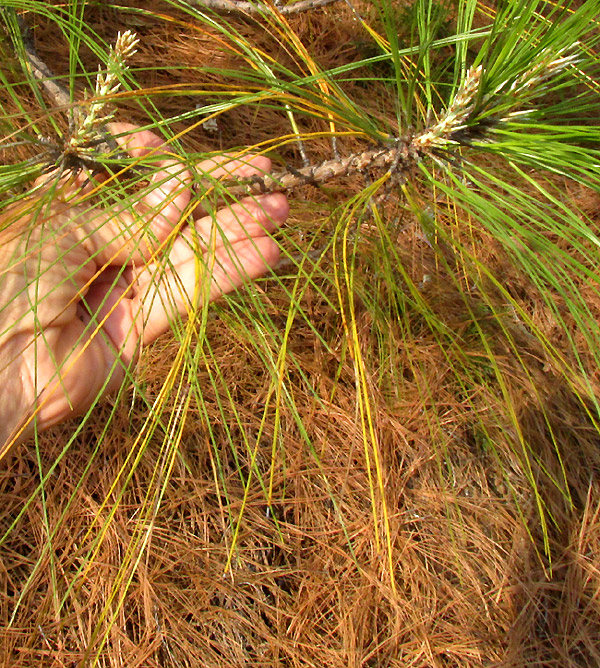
<point x="85" y="286"/>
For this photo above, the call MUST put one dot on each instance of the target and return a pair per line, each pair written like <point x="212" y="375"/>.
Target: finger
<point x="227" y="165"/>
<point x="131" y="230"/>
<point x="168" y="194"/>
<point x="68" y="185"/>
<point x="134" y="141"/>
<point x="251" y="217"/>
<point x="183" y="287"/>
<point x="108" y="303"/>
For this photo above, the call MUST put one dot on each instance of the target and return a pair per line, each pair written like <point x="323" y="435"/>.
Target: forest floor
<point x="452" y="570"/>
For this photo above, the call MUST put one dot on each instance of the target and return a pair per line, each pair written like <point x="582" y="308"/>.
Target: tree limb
<point x="399" y="158"/>
<point x="254" y="8"/>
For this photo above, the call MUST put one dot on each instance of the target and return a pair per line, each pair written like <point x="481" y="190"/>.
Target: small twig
<point x="256" y="8"/>
<point x="58" y="94"/>
<point x="302" y="150"/>
<point x="402" y="156"/>
<point x="334" y="147"/>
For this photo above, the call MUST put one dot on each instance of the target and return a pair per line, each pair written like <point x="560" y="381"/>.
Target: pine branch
<point x="461" y="124"/>
<point x="399" y="159"/>
<point x="256" y="9"/>
<point x="85" y="126"/>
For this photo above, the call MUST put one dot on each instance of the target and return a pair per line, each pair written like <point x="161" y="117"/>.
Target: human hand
<point x="82" y="287"/>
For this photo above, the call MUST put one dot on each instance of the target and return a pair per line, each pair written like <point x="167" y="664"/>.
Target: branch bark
<point x="399" y="158"/>
<point x="58" y="94"/>
<point x="257" y="8"/>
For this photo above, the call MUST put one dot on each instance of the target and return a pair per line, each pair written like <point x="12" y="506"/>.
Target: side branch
<point x="57" y="93"/>
<point x="399" y="158"/>
<point x="254" y="9"/>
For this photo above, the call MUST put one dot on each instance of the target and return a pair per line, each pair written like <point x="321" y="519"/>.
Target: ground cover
<point x="385" y="453"/>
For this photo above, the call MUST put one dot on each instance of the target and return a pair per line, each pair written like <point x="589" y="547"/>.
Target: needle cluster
<point x="108" y="83"/>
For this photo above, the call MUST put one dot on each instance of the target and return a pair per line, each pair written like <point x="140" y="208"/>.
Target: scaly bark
<point x="258" y="8"/>
<point x="399" y="158"/>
